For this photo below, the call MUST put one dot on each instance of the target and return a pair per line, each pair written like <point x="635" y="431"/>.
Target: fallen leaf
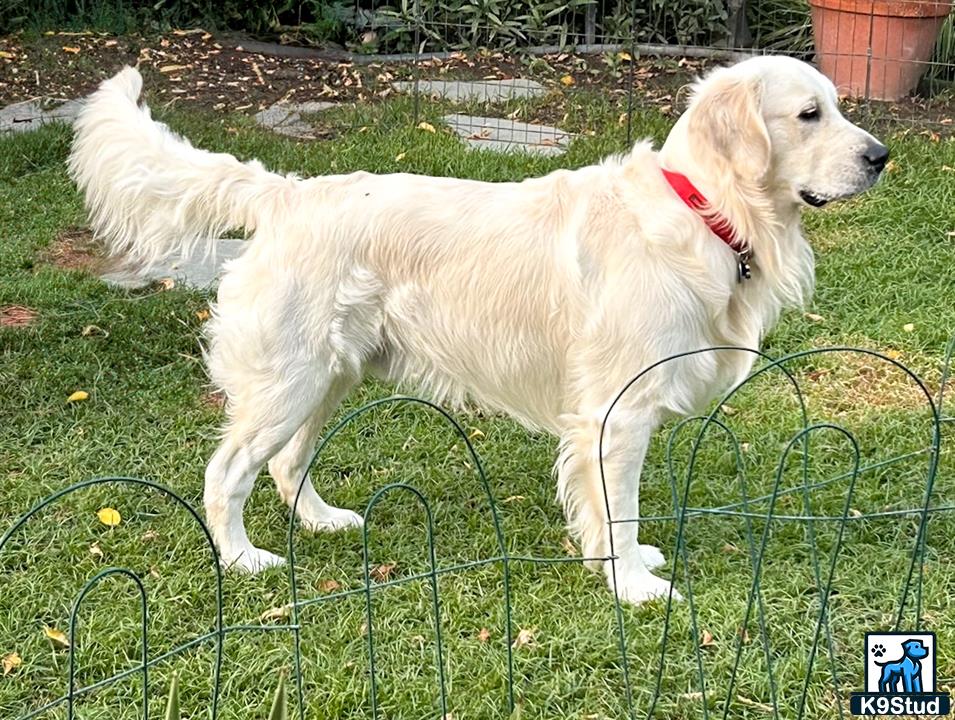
<point x="381" y="573"/>
<point x="11" y="661"/>
<point x="96" y="551"/>
<point x="329" y="585"/>
<point x="149" y="536"/>
<point x="109" y="517"/>
<point x="625" y="56"/>
<point x="728" y="410"/>
<point x="892" y="354"/>
<point x="202" y="315"/>
<point x="484" y="635"/>
<point x="400" y="156"/>
<point x="78" y="396"/>
<point x="276" y="613"/>
<point x="6" y="56"/>
<point x="475" y="434"/>
<point x="524" y="638"/>
<point x="428" y="127"/>
<point x="17" y="316"/>
<point x="708" y="640"/>
<point x="730" y="548"/>
<point x="754" y="704"/>
<point x="744" y="635"/>
<point x="93" y="330"/>
<point x="567" y="80"/>
<point x="172" y="68"/>
<point x="908" y="327"/>
<point x="855" y="513"/>
<point x="167" y="283"/>
<point x="57" y="637"/>
<point x="70" y="49"/>
<point x="814" y="317"/>
<point x="514" y="498"/>
<point x="569" y="546"/>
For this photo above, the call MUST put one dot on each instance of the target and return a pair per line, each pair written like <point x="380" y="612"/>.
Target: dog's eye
<point x="809" y="114"/>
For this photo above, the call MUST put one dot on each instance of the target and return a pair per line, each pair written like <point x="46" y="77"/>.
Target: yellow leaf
<point x="276" y="613"/>
<point x="524" y="637"/>
<point x="567" y="80"/>
<point x="78" y="396"/>
<point x="109" y="517"/>
<point x="426" y="126"/>
<point x="202" y="315"/>
<point x="908" y="327"/>
<point x="172" y="68"/>
<point x="892" y="354"/>
<point x="814" y="317"/>
<point x="71" y="50"/>
<point x="400" y="156"/>
<point x="475" y="434"/>
<point x="625" y="56"/>
<point x="167" y="283"/>
<point x="6" y="55"/>
<point x="56" y="636"/>
<point x="11" y="662"/>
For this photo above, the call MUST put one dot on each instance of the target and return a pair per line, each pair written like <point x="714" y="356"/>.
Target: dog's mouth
<point x="812" y="199"/>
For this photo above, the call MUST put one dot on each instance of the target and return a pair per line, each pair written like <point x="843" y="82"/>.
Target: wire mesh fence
<point x="825" y="532"/>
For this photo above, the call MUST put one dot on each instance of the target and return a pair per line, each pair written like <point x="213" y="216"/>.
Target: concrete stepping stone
<point x="502" y="135"/>
<point x="286" y="118"/>
<point x="490" y="91"/>
<point x="196" y="271"/>
<point x="30" y="114"/>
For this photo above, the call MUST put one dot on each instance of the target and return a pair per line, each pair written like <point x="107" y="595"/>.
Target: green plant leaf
<point x="280" y="704"/>
<point x="172" y="705"/>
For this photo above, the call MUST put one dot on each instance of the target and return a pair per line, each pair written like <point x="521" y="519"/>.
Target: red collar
<point x="694" y="199"/>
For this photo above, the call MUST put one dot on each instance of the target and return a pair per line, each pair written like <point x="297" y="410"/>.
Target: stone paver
<point x="504" y="135"/>
<point x="196" y="271"/>
<point x="482" y="91"/>
<point x="286" y="118"/>
<point x="31" y="114"/>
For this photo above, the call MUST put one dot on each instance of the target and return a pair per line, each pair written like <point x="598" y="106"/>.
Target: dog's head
<point x="914" y="649"/>
<point x="774" y="122"/>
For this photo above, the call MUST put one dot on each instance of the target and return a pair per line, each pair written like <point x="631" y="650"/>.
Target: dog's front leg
<point x="581" y="488"/>
<point x="624" y="449"/>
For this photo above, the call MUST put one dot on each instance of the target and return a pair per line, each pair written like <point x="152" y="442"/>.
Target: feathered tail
<point x="148" y="191"/>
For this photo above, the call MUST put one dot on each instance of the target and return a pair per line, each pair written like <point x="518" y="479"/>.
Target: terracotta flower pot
<point x="901" y="35"/>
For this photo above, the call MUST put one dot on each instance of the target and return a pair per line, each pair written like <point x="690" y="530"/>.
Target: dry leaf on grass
<point x="202" y="315"/>
<point x="328" y="586"/>
<point x="484" y="635"/>
<point x="427" y="127"/>
<point x="708" y="640"/>
<point x="91" y="330"/>
<point x="16" y="316"/>
<point x="78" y="396"/>
<point x="57" y="637"/>
<point x="475" y="434"/>
<point x="814" y="317"/>
<point x="71" y="49"/>
<point x="96" y="551"/>
<point x="167" y="284"/>
<point x="109" y="516"/>
<point x="381" y="573"/>
<point x="569" y="546"/>
<point x="11" y="661"/>
<point x="567" y="80"/>
<point x="524" y="637"/>
<point x="908" y="327"/>
<point x="276" y="613"/>
<point x="400" y="156"/>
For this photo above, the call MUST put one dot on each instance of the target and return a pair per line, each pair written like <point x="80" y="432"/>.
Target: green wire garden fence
<point x="765" y="512"/>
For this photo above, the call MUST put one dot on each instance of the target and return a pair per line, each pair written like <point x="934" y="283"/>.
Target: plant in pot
<point x="876" y="49"/>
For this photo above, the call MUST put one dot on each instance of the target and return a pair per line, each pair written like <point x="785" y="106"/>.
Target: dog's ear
<point x="725" y="126"/>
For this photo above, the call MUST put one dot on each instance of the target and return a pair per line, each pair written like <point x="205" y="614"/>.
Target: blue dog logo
<point x="900" y="677"/>
<point x="907" y="670"/>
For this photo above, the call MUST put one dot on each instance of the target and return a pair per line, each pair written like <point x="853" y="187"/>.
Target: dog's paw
<point x="878" y="650"/>
<point x="331" y="518"/>
<point x="644" y="587"/>
<point x="652" y="557"/>
<point x="252" y="560"/>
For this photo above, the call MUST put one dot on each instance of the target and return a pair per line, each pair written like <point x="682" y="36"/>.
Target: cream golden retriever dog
<point x="539" y="298"/>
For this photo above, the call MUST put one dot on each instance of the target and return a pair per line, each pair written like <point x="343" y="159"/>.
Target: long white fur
<point x="539" y="298"/>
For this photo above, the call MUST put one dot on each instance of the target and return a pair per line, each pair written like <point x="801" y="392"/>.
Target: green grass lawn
<point x="884" y="283"/>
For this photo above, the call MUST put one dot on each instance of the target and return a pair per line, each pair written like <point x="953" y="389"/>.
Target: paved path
<point x="31" y="114"/>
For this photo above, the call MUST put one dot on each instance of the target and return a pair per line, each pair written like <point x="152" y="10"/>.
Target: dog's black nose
<point x="876" y="156"/>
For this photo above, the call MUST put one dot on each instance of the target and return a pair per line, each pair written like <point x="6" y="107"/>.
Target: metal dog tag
<point x="743" y="269"/>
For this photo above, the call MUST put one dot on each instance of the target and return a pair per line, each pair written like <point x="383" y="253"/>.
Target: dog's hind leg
<point x="289" y="467"/>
